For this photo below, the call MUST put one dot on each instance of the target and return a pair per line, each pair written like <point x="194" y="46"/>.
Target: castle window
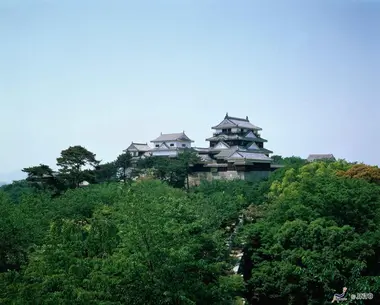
<point x="157" y="145"/>
<point x="171" y="144"/>
<point x="183" y="145"/>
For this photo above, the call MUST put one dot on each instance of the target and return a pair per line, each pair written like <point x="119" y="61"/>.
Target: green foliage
<point x="309" y="229"/>
<point x="38" y="171"/>
<point x="43" y="178"/>
<point x="74" y="164"/>
<point x="288" y="161"/>
<point x="123" y="163"/>
<point x="15" y="235"/>
<point x="17" y="189"/>
<point x="173" y="171"/>
<point x="106" y="172"/>
<point x="318" y="234"/>
<point x="118" y="244"/>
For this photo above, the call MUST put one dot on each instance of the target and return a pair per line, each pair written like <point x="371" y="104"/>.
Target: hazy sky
<point x="103" y="73"/>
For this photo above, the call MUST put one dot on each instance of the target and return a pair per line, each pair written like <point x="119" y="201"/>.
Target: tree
<point x="123" y="163"/>
<point x="288" y="161"/>
<point x="106" y="172"/>
<point x="15" y="235"/>
<point x="316" y="234"/>
<point x="145" y="232"/>
<point x="188" y="158"/>
<point x="363" y="171"/>
<point x="18" y="189"/>
<point x="42" y="177"/>
<point x="174" y="171"/>
<point x="73" y="162"/>
<point x="277" y="159"/>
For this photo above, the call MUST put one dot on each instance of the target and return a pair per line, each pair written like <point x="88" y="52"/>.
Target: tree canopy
<point x="317" y="232"/>
<point x="74" y="164"/>
<point x="306" y="232"/>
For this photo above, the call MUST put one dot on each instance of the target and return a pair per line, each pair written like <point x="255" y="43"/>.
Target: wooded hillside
<point x="308" y="231"/>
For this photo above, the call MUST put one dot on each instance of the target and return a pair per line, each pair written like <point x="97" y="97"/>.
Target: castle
<point x="236" y="151"/>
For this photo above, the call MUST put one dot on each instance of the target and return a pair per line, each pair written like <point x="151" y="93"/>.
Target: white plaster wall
<point x="176" y="144"/>
<point x="164" y="153"/>
<point x="232" y="130"/>
<point x="179" y="144"/>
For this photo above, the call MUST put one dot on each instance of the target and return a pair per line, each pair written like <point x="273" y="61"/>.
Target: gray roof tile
<point x="201" y="149"/>
<point x="225" y="153"/>
<point x="250" y="155"/>
<point x="172" y="137"/>
<point x="230" y="122"/>
<point x="138" y="147"/>
<point x="234" y="137"/>
<point x="314" y="157"/>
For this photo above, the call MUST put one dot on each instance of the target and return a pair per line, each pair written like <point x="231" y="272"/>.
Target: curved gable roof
<point x="164" y="137"/>
<point x="234" y="122"/>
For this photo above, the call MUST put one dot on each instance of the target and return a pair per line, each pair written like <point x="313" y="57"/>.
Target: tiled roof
<point x="314" y="157"/>
<point x="216" y="165"/>
<point x="138" y="147"/>
<point x="252" y="146"/>
<point x="205" y="158"/>
<point x="250" y="155"/>
<point x="225" y="153"/>
<point x="233" y="137"/>
<point x="164" y="137"/>
<point x="141" y="147"/>
<point x="201" y="149"/>
<point x="230" y="122"/>
<point x="244" y="149"/>
<point x="266" y="151"/>
<point x="238" y="152"/>
<point x="221" y="145"/>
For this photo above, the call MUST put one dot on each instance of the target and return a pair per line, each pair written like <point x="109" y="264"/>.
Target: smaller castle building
<point x="138" y="150"/>
<point x="320" y="157"/>
<point x="170" y="144"/>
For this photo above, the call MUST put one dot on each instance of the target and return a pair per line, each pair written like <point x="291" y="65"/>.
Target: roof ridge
<point x="236" y="118"/>
<point x="172" y="133"/>
<point x="320" y="154"/>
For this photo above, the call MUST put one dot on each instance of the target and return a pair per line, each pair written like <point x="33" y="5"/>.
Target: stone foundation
<point x="196" y="178"/>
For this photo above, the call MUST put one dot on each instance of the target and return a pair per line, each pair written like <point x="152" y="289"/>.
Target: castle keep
<point x="236" y="151"/>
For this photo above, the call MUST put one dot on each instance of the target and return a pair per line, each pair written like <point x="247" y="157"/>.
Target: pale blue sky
<point x="103" y="73"/>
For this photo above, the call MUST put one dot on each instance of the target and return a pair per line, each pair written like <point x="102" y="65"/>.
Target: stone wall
<point x="196" y="178"/>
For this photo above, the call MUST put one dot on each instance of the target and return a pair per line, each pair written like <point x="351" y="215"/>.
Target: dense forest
<point x="306" y="232"/>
